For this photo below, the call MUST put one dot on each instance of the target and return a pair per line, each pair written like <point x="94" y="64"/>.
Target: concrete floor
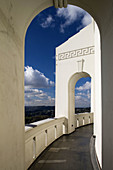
<point x="70" y="152"/>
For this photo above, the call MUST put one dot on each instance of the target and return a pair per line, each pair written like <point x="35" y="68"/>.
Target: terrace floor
<point x="69" y="152"/>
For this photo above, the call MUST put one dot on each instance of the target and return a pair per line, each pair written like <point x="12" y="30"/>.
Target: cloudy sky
<point x="48" y="30"/>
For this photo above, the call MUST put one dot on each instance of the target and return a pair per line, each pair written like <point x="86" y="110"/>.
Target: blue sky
<point x="48" y="30"/>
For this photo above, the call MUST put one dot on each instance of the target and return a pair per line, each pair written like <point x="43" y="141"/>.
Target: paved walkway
<point x="70" y="152"/>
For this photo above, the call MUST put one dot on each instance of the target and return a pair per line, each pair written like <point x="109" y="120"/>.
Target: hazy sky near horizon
<point x="48" y="30"/>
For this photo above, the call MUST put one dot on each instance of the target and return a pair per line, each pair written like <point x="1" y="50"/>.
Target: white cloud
<point x="47" y="22"/>
<point x="36" y="97"/>
<point x="83" y="95"/>
<point x="30" y="92"/>
<point x="52" y="83"/>
<point x="81" y="101"/>
<point x="38" y="102"/>
<point x="36" y="79"/>
<point x="71" y="14"/>
<point x="89" y="94"/>
<point x="86" y="19"/>
<point x="86" y="86"/>
<point x="78" y="97"/>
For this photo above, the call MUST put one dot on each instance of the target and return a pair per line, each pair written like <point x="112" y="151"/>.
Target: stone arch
<point x="15" y="17"/>
<point x="71" y="98"/>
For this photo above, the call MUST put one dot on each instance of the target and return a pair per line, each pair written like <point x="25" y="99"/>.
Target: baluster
<point x="89" y="119"/>
<point x="64" y="129"/>
<point x="55" y="132"/>
<point x="45" y="137"/>
<point x="34" y="147"/>
<point x="77" y="122"/>
<point x="83" y="121"/>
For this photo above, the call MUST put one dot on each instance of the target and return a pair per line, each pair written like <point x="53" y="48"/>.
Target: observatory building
<point x="89" y="53"/>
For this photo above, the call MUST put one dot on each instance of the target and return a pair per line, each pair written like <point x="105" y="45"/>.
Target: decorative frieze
<point x="76" y="53"/>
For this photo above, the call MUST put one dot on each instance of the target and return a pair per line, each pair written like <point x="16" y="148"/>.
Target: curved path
<point x="69" y="152"/>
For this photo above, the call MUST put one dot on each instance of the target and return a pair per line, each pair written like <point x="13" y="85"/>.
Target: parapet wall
<point x="45" y="132"/>
<point x="38" y="138"/>
<point x="83" y="119"/>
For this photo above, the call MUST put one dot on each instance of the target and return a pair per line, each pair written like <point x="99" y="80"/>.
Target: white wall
<point x="67" y="65"/>
<point x="98" y="97"/>
<point x="68" y="72"/>
<point x="11" y="97"/>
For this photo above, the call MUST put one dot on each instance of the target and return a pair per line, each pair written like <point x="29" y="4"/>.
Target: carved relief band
<point x="76" y="53"/>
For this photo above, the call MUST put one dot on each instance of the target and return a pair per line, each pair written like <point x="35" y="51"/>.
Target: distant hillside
<point x="36" y="113"/>
<point x="82" y="110"/>
<point x="29" y="109"/>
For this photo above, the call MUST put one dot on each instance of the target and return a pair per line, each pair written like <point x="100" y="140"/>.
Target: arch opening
<point x="33" y="64"/>
<point x="70" y="109"/>
<point x="14" y="20"/>
<point x="83" y="95"/>
<point x="71" y="103"/>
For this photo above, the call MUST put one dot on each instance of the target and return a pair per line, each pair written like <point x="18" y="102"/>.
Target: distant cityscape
<point x="36" y="113"/>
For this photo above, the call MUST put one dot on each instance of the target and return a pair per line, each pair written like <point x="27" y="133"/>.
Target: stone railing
<point x="82" y="119"/>
<point x="41" y="134"/>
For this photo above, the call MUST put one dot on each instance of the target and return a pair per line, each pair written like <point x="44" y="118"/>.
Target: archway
<point x="71" y="93"/>
<point x="83" y="95"/>
<point x="15" y="22"/>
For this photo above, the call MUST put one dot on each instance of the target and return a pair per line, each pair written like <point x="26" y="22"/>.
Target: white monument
<point x="78" y="57"/>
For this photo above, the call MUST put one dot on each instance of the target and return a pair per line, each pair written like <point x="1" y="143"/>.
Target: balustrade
<point x="42" y="133"/>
